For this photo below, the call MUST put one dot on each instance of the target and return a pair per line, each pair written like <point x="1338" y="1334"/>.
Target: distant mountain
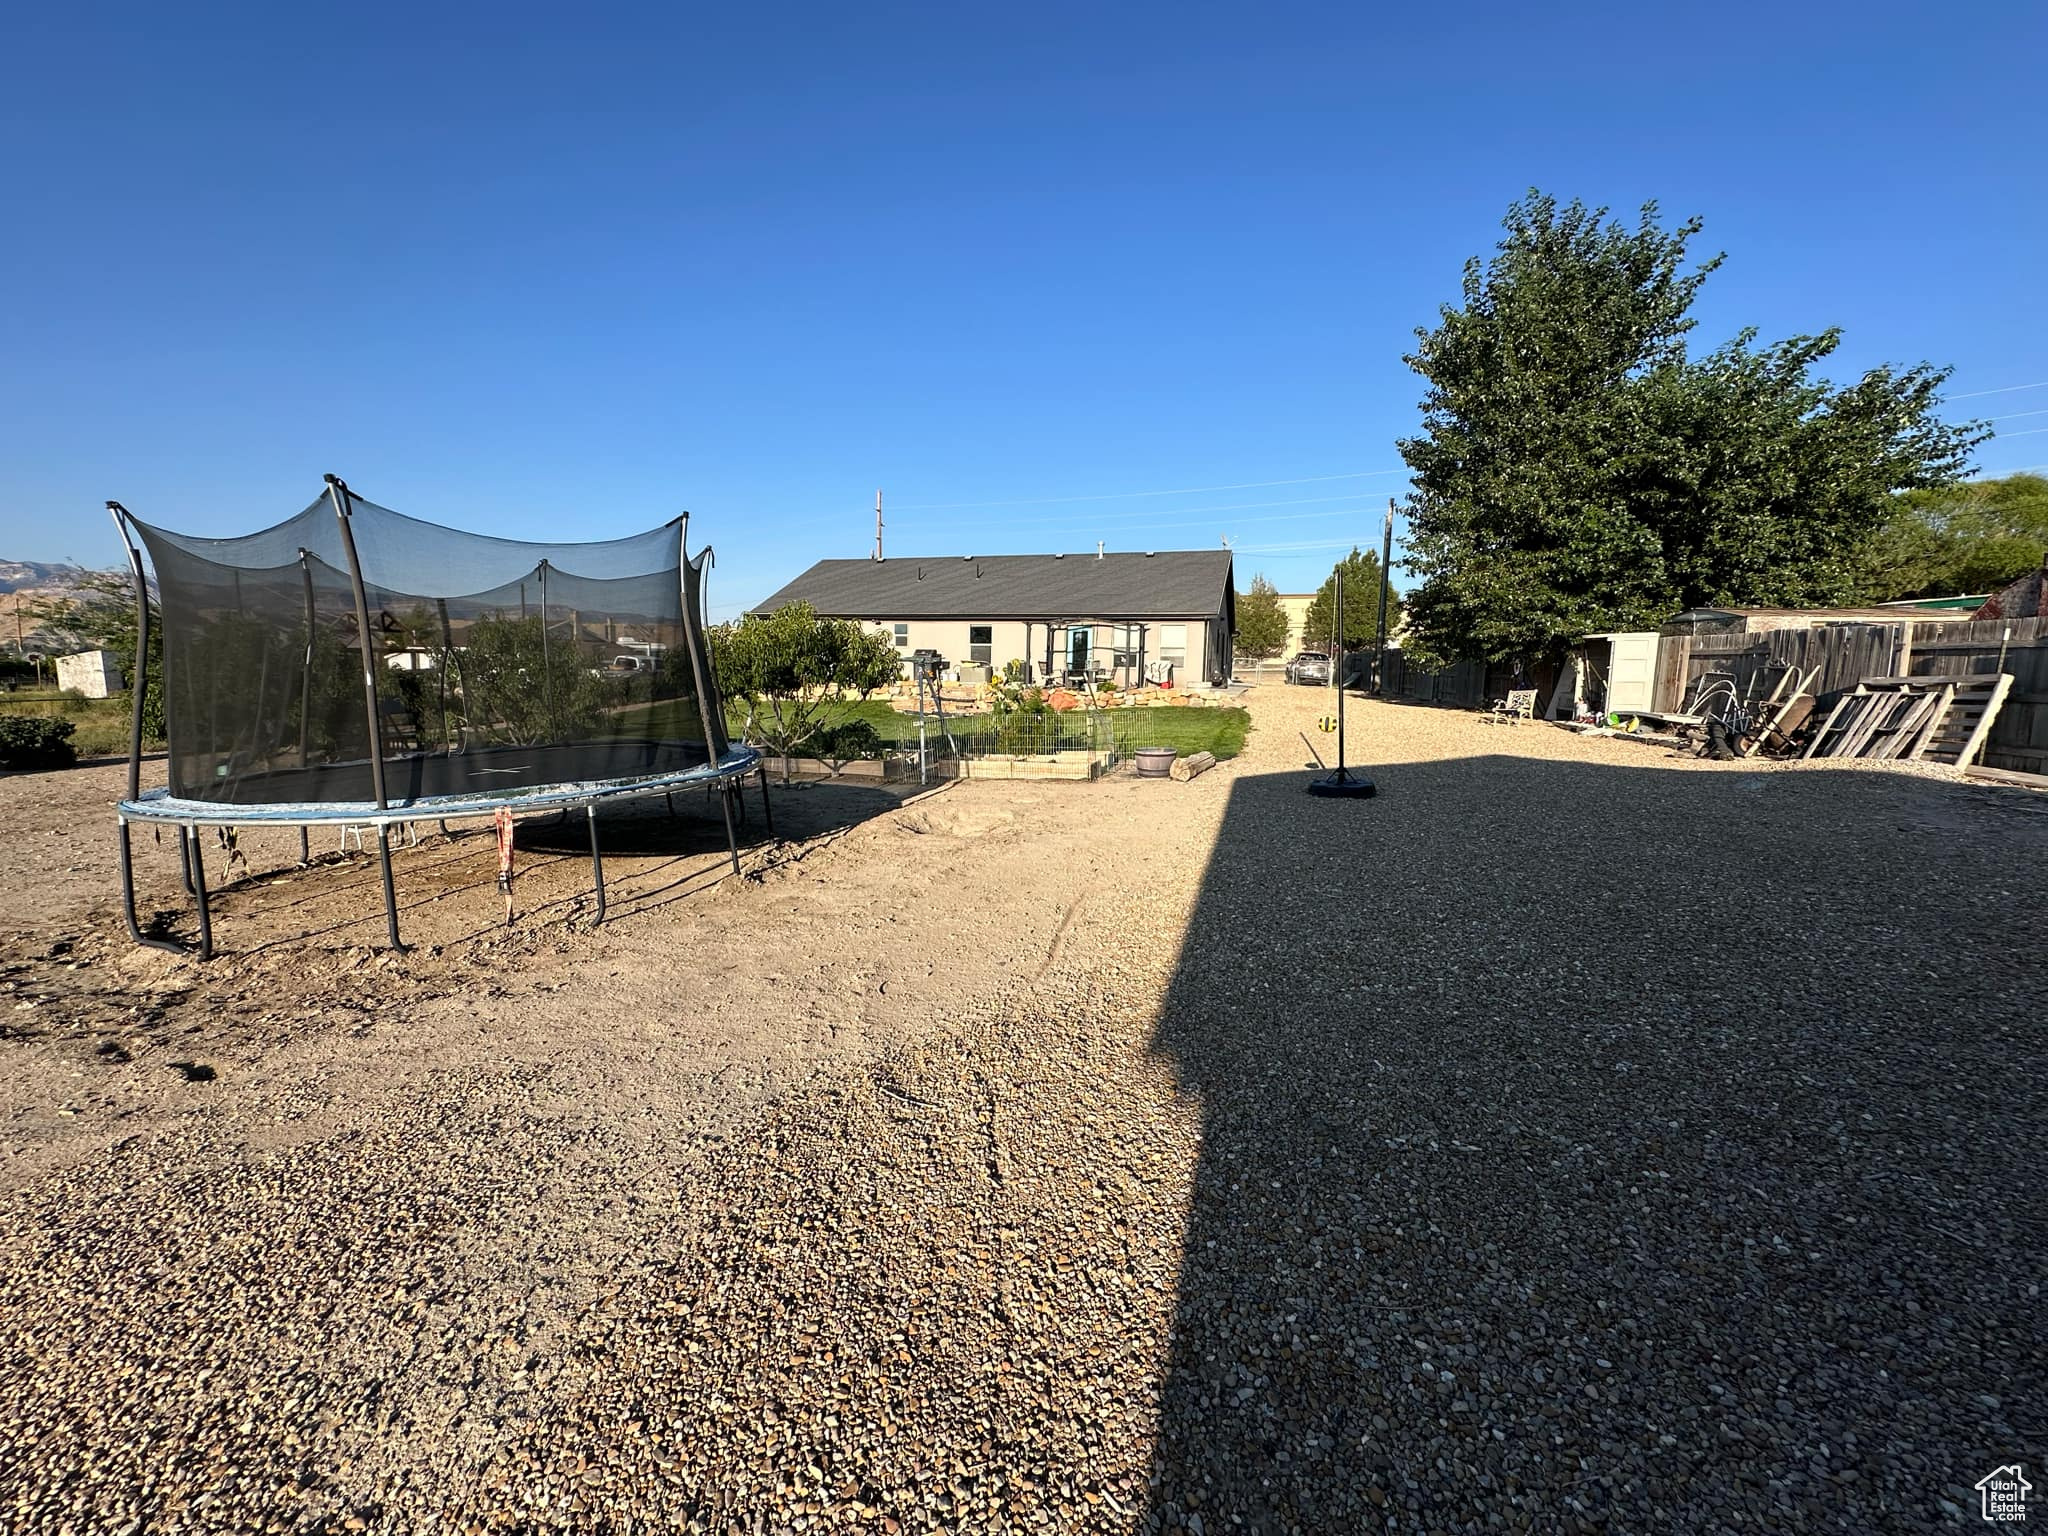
<point x="29" y="585"/>
<point x="24" y="576"/>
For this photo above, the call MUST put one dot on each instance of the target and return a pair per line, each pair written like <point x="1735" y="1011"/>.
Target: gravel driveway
<point x="1572" y="1138"/>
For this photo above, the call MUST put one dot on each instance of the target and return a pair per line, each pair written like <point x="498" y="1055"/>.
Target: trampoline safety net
<point x="498" y="664"/>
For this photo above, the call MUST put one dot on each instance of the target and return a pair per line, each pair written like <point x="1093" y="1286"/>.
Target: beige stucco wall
<point x="92" y="673"/>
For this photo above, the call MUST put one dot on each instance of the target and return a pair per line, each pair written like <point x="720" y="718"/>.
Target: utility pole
<point x="1379" y="668"/>
<point x="878" y="524"/>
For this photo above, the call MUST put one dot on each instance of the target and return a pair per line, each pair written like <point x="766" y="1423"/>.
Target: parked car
<point x="1309" y="667"/>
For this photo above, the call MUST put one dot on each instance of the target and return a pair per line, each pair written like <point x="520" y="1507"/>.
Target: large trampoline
<point x="355" y="666"/>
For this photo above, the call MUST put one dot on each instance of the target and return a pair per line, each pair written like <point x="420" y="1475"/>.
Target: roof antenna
<point x="878" y="525"/>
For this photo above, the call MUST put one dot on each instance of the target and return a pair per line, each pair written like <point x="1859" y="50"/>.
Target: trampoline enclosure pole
<point x="141" y="686"/>
<point x="700" y="659"/>
<point x="390" y="895"/>
<point x="306" y="689"/>
<point x="547" y="675"/>
<point x="596" y="864"/>
<point x="199" y="893"/>
<point x="339" y="493"/>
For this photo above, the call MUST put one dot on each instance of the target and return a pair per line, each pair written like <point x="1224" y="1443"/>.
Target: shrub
<point x="846" y="742"/>
<point x="29" y="742"/>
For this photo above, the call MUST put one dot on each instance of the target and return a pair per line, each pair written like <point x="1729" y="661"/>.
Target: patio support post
<point x="339" y="493"/>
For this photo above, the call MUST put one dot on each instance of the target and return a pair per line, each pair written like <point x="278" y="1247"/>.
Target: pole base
<point x="1343" y="785"/>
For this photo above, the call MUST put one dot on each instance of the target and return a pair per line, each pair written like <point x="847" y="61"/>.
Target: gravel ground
<point x="1573" y="1138"/>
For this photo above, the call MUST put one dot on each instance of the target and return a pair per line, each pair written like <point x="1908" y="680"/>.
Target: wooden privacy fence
<point x="1463" y="685"/>
<point x="1846" y="654"/>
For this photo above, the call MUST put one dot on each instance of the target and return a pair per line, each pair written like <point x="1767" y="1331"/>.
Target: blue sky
<point x="565" y="271"/>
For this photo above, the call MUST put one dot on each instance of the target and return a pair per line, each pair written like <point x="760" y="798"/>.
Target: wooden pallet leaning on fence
<point x="1913" y="719"/>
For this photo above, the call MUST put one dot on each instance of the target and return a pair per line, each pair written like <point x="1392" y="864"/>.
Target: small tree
<point x="1362" y="583"/>
<point x="791" y="668"/>
<point x="1261" y="621"/>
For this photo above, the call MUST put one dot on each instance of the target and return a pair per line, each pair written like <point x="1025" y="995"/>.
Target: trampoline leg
<point x="185" y="841"/>
<point x="767" y="810"/>
<point x="390" y="893"/>
<point x="199" y="893"/>
<point x="671" y="798"/>
<point x="305" y="848"/>
<point x="732" y="839"/>
<point x="596" y="865"/>
<point x="128" y="900"/>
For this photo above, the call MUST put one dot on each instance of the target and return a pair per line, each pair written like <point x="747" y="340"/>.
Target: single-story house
<point x="1127" y="618"/>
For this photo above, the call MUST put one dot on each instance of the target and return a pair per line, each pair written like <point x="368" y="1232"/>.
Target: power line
<point x="2030" y="432"/>
<point x="1189" y="490"/>
<point x="2015" y="416"/>
<point x="2009" y="389"/>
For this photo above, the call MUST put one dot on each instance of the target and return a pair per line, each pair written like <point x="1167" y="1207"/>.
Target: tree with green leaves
<point x="1362" y="583"/>
<point x="792" y="668"/>
<point x="102" y="618"/>
<point x="1579" y="470"/>
<point x="1974" y="537"/>
<point x="1261" y="621"/>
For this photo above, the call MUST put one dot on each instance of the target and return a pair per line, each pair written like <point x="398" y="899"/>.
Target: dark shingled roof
<point x="1172" y="584"/>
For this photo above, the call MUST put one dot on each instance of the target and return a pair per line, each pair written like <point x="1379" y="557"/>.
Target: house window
<point x="902" y="636"/>
<point x="1173" y="645"/>
<point x="981" y="644"/>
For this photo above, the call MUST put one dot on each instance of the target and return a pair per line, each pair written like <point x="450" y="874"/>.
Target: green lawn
<point x="1188" y="729"/>
<point x="102" y="724"/>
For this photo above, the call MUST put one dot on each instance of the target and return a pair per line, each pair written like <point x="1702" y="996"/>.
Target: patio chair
<point x="1519" y="705"/>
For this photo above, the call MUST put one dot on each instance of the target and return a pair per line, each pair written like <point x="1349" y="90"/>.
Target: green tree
<point x="102" y="618"/>
<point x="1362" y="584"/>
<point x="1579" y="470"/>
<point x="1261" y="621"/>
<point x="1974" y="537"/>
<point x="792" y="669"/>
<point x="517" y="684"/>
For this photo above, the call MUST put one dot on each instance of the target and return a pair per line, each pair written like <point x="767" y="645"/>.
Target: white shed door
<point x="1632" y="671"/>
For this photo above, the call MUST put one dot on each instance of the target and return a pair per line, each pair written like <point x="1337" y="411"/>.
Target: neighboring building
<point x="2026" y="598"/>
<point x="1117" y="616"/>
<point x="92" y="673"/>
<point x="1295" y="606"/>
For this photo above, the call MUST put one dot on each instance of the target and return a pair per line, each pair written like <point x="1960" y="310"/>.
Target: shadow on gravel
<point x="1597" y="1148"/>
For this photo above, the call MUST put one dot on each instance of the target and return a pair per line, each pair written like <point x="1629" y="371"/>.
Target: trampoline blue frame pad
<point x="159" y="805"/>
